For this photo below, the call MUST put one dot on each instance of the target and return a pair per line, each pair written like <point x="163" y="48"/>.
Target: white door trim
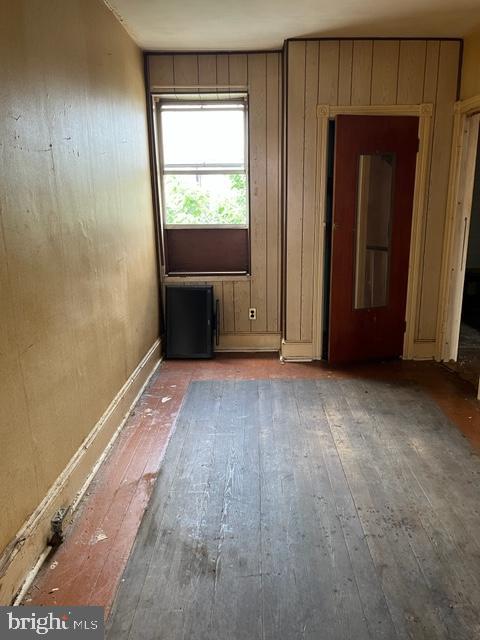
<point x="459" y="204"/>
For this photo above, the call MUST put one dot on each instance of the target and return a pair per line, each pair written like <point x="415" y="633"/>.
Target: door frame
<point x="459" y="208"/>
<point x="424" y="113"/>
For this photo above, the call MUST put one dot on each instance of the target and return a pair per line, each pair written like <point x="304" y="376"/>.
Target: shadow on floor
<point x="468" y="362"/>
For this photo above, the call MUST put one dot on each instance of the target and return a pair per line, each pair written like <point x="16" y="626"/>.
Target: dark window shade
<point x="207" y="250"/>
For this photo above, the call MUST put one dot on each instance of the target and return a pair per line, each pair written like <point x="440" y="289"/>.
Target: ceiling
<point x="198" y="25"/>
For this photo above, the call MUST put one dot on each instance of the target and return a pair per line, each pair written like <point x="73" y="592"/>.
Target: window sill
<point x="206" y="277"/>
<point x="206" y="226"/>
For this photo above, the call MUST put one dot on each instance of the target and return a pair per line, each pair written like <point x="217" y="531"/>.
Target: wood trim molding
<point x="171" y="279"/>
<point x="446" y="343"/>
<point x="330" y="111"/>
<point x="425" y="129"/>
<point x="30" y="543"/>
<point x="468" y="107"/>
<point x="424" y="112"/>
<point x="319" y="232"/>
<point x="297" y="351"/>
<point x="424" y="350"/>
<point x="232" y="342"/>
<point x="194" y="88"/>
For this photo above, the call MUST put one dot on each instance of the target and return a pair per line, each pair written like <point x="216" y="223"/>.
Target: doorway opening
<point x="467" y="360"/>
<point x="328" y="236"/>
<point x="374" y="180"/>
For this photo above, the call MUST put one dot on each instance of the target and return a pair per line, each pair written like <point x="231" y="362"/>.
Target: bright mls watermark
<point x="24" y="623"/>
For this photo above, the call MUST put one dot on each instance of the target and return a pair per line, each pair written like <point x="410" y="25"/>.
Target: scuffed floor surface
<point x="341" y="509"/>
<point x="467" y="365"/>
<point x="88" y="567"/>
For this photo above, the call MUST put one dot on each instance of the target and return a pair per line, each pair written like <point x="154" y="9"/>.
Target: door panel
<point x="375" y="158"/>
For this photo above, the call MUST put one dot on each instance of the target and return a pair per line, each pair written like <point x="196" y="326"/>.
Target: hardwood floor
<point x="467" y="365"/>
<point x="332" y="508"/>
<point x="88" y="566"/>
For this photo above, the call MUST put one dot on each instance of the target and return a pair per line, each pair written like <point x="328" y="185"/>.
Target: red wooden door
<point x="374" y="177"/>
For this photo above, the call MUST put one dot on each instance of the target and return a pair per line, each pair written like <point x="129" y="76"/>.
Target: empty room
<point x="240" y="328"/>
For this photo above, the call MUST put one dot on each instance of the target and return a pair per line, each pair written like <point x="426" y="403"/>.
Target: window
<point x="203" y="162"/>
<point x="202" y="155"/>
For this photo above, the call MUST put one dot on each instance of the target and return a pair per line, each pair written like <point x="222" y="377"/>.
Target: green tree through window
<point x="212" y="199"/>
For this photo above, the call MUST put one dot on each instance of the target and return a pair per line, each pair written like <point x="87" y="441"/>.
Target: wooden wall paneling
<point x="264" y="83"/>
<point x="222" y="70"/>
<point x="185" y="70"/>
<point x="445" y="98"/>
<point x="241" y="292"/>
<point x="384" y="72"/>
<point x="218" y="295"/>
<point x="238" y="70"/>
<point x="345" y="72"/>
<point x="314" y="72"/>
<point x="294" y="187"/>
<point x="281" y="195"/>
<point x="470" y="78"/>
<point x="411" y="71"/>
<point x="161" y="71"/>
<point x="328" y="60"/>
<point x="432" y="56"/>
<point x="228" y="315"/>
<point x="361" y="71"/>
<point x="207" y="70"/>
<point x="273" y="121"/>
<point x="257" y="84"/>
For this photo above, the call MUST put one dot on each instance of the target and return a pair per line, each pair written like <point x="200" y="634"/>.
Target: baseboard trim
<point x="22" y="554"/>
<point x="249" y="342"/>
<point x="424" y="350"/>
<point x="297" y="351"/>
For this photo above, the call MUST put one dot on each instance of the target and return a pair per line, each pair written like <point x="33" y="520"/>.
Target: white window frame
<point x="169" y="102"/>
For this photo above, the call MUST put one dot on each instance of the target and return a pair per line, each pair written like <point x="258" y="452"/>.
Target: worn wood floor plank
<point x="426" y="446"/>
<point x="374" y="606"/>
<point x="400" y="488"/>
<point x="403" y="581"/>
<point x="282" y="604"/>
<point x="307" y="509"/>
<point x="299" y="580"/>
<point x="402" y="522"/>
<point x="134" y="598"/>
<point x="182" y="562"/>
<point x="237" y="606"/>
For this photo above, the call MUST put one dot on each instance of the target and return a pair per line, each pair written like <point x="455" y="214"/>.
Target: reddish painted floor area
<point x="87" y="568"/>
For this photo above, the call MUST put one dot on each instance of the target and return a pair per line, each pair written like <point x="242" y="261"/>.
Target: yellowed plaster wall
<point x="78" y="285"/>
<point x="471" y="66"/>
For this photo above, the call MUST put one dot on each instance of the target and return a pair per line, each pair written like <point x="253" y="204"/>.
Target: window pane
<point x="206" y="199"/>
<point x="205" y="136"/>
<point x="374" y="212"/>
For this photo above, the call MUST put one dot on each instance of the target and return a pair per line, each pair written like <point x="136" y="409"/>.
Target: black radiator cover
<point x="190" y="321"/>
